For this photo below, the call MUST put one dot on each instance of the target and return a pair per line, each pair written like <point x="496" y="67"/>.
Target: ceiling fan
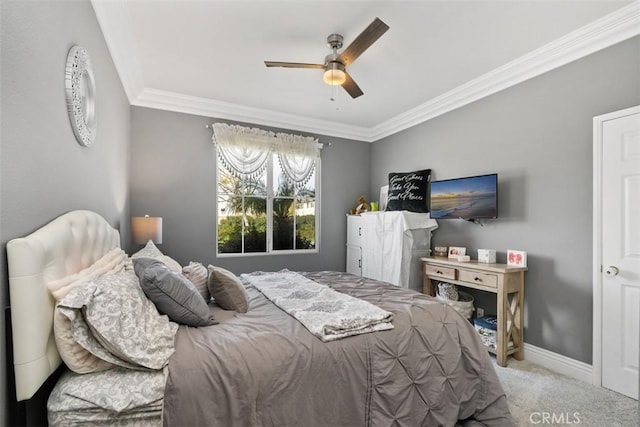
<point x="335" y="63"/>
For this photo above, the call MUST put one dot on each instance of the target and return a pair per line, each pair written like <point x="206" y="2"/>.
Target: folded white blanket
<point x="326" y="313"/>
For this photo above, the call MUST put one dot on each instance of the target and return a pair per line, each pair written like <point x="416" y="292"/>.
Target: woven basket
<point x="464" y="305"/>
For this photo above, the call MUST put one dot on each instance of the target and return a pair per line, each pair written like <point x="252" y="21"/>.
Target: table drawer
<point x="476" y="278"/>
<point x="439" y="271"/>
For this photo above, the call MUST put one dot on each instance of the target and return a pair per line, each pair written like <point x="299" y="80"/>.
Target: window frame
<point x="269" y="214"/>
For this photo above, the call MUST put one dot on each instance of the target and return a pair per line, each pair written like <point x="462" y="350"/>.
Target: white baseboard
<point x="558" y="363"/>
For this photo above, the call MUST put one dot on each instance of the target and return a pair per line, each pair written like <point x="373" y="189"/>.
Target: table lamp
<point x="145" y="228"/>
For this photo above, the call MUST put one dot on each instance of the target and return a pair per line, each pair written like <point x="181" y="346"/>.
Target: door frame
<point x="598" y="122"/>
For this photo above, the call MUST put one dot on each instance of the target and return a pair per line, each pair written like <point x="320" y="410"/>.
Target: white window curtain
<point x="244" y="151"/>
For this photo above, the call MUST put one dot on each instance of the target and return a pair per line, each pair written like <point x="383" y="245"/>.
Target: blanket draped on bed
<point x="327" y="314"/>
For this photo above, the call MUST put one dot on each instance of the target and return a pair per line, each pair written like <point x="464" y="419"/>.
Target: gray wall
<point x="173" y="170"/>
<point x="538" y="137"/>
<point x="44" y="172"/>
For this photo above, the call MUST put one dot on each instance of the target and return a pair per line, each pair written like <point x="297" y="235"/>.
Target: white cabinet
<point x="388" y="246"/>
<point x="354" y="247"/>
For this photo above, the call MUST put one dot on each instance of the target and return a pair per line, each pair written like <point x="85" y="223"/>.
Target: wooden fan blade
<point x="366" y="38"/>
<point x="293" y="65"/>
<point x="351" y="87"/>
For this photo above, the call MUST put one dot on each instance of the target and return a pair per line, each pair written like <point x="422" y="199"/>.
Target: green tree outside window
<point x="243" y="206"/>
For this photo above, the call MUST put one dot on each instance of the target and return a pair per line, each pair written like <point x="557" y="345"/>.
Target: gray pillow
<point x="172" y="293"/>
<point x="227" y="290"/>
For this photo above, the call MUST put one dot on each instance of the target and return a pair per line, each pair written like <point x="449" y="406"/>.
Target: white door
<point x="620" y="249"/>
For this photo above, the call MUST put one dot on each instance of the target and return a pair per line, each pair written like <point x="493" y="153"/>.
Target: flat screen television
<point x="469" y="198"/>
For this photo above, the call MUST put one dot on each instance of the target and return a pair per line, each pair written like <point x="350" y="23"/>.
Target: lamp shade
<point x="334" y="74"/>
<point x="145" y="228"/>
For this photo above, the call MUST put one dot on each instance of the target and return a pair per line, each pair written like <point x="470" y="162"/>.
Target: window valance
<point x="244" y="151"/>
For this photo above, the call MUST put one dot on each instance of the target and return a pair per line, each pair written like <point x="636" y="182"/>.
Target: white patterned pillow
<point x="198" y="275"/>
<point x="150" y="250"/>
<point x="75" y="356"/>
<point x="82" y="336"/>
<point x="112" y="311"/>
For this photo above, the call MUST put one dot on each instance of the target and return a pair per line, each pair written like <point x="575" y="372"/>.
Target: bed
<point x="258" y="368"/>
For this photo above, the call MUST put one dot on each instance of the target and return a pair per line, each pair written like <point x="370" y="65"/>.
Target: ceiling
<point x="206" y="57"/>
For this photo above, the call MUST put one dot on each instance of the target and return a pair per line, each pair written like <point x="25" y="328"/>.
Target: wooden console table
<point x="505" y="281"/>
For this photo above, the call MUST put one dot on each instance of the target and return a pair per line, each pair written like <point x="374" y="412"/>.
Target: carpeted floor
<point x="540" y="397"/>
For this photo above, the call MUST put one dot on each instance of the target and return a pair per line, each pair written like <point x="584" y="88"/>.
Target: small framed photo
<point x="516" y="258"/>
<point x="456" y="251"/>
<point x="441" y="251"/>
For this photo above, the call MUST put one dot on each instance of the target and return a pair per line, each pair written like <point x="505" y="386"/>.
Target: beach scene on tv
<point x="467" y="198"/>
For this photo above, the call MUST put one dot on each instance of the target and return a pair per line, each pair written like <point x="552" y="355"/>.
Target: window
<point x="267" y="199"/>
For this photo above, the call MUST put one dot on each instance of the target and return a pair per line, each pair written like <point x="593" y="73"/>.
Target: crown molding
<point x="172" y="101"/>
<point x="115" y="22"/>
<point x="602" y="33"/>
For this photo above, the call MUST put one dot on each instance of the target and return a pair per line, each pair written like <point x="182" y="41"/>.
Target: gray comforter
<point x="263" y="368"/>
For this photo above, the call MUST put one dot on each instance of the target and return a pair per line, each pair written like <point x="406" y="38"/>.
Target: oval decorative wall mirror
<point x="80" y="90"/>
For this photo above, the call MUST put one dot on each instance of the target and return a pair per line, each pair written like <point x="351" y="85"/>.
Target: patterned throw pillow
<point x="74" y="355"/>
<point x="111" y="317"/>
<point x="227" y="290"/>
<point x="151" y="251"/>
<point x="409" y="191"/>
<point x="199" y="276"/>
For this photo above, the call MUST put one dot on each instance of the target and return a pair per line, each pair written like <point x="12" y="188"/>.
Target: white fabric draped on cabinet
<point x="392" y="244"/>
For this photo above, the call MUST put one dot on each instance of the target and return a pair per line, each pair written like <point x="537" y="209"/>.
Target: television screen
<point x="467" y="198"/>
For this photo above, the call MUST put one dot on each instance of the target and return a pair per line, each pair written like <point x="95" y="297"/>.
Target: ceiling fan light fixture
<point x="335" y="63"/>
<point x="334" y="74"/>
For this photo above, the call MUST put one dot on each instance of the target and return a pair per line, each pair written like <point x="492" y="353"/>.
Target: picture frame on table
<point x="456" y="251"/>
<point x="516" y="258"/>
<point x="441" y="251"/>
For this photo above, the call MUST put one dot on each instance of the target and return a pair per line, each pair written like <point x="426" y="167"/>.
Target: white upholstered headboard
<point x="65" y="246"/>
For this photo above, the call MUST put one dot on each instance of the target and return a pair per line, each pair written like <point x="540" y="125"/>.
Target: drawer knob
<point x="438" y="272"/>
<point x="477" y="279"/>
